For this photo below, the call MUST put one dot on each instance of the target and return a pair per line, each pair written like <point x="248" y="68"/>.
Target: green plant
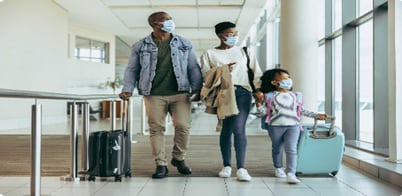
<point x="117" y="82"/>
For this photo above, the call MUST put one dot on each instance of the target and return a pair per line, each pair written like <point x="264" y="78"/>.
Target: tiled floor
<point x="347" y="182"/>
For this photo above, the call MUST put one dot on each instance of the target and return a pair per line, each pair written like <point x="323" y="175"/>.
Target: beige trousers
<point x="179" y="108"/>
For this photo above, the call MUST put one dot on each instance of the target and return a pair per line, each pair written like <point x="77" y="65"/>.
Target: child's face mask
<point x="286" y="84"/>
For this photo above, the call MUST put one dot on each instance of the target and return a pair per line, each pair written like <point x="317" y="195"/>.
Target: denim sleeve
<point x="194" y="71"/>
<point x="131" y="75"/>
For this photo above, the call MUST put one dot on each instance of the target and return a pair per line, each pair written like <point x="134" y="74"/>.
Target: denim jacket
<point x="140" y="70"/>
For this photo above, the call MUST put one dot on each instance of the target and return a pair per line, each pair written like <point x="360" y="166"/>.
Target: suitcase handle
<point x="323" y="134"/>
<point x="125" y="116"/>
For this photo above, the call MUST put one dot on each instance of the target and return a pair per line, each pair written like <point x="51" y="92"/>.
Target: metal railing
<point x="36" y="128"/>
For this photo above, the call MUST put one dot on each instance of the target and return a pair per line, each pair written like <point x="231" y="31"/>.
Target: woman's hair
<point x="269" y="76"/>
<point x="220" y="27"/>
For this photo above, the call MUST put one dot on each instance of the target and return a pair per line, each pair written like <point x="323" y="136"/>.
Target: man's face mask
<point x="286" y="84"/>
<point x="168" y="26"/>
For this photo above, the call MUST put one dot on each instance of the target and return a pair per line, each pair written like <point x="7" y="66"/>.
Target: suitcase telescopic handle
<point x="330" y="132"/>
<point x="125" y="115"/>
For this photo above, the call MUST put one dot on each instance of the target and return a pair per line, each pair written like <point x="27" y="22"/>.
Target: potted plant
<point x="116" y="83"/>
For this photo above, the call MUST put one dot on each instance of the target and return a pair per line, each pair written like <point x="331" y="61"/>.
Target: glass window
<point x="337" y="62"/>
<point x="365" y="56"/>
<point x="321" y="18"/>
<point x="91" y="50"/>
<point x="364" y="6"/>
<point x="336" y="14"/>
<point x="321" y="78"/>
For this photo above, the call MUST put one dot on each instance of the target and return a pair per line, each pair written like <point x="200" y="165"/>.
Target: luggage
<point x="109" y="154"/>
<point x="320" y="149"/>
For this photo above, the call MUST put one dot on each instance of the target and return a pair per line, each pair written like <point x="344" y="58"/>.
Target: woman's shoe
<point x="226" y="172"/>
<point x="242" y="175"/>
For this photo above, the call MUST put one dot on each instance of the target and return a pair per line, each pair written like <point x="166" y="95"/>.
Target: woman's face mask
<point x="286" y="84"/>
<point x="231" y="40"/>
<point x="168" y="26"/>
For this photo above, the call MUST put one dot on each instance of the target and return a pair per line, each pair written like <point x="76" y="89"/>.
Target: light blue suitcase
<point x="320" y="149"/>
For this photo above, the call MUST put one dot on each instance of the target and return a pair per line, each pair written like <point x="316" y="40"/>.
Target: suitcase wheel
<point x="128" y="174"/>
<point x="91" y="178"/>
<point x="117" y="178"/>
<point x="334" y="173"/>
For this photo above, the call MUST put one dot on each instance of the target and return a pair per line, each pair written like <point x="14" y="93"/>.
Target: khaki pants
<point x="179" y="107"/>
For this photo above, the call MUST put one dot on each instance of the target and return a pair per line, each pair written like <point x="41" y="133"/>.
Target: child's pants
<point x="284" y="137"/>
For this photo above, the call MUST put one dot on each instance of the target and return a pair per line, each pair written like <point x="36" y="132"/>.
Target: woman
<point x="228" y="56"/>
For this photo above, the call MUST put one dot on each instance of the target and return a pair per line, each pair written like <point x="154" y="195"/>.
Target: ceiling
<point x="195" y="19"/>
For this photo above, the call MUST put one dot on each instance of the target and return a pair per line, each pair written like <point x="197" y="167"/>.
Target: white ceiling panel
<point x="173" y="2"/>
<point x="184" y="17"/>
<point x="126" y="2"/>
<point x="133" y="18"/>
<point x="210" y="17"/>
<point x="195" y="19"/>
<point x="220" y="2"/>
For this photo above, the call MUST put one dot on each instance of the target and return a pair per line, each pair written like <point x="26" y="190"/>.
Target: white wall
<point x="34" y="55"/>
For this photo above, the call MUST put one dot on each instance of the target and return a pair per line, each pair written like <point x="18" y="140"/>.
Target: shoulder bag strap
<point x="249" y="70"/>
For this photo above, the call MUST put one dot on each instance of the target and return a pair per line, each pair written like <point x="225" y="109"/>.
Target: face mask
<point x="231" y="41"/>
<point x="168" y="26"/>
<point x="286" y="84"/>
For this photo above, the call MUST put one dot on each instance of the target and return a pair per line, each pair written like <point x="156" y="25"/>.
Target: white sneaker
<point x="226" y="172"/>
<point x="242" y="175"/>
<point x="292" y="179"/>
<point x="280" y="173"/>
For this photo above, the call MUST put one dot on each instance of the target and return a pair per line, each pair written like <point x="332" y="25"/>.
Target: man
<point x="164" y="68"/>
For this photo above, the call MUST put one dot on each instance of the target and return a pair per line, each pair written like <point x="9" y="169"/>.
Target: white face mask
<point x="286" y="84"/>
<point x="168" y="26"/>
<point x="231" y="41"/>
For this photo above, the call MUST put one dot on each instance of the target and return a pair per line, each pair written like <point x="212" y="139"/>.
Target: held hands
<point x="259" y="98"/>
<point x="125" y="95"/>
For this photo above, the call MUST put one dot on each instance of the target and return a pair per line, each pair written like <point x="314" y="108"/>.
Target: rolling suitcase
<point x="109" y="154"/>
<point x="320" y="149"/>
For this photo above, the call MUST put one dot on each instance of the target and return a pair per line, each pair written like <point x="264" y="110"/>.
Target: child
<point x="284" y="110"/>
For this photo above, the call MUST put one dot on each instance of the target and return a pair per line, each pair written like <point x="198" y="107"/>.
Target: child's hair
<point x="269" y="76"/>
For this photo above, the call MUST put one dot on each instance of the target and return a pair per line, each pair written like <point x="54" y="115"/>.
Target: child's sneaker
<point x="280" y="173"/>
<point x="225" y="172"/>
<point x="242" y="175"/>
<point x="292" y="179"/>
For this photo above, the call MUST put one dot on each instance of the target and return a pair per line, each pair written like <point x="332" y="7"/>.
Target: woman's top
<point x="217" y="58"/>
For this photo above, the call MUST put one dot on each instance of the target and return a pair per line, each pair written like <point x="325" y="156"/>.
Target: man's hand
<point x="195" y="96"/>
<point x="125" y="95"/>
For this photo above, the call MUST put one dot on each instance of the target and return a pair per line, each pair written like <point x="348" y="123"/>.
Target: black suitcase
<point x="109" y="154"/>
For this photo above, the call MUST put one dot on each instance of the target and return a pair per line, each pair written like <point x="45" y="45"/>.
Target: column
<point x="394" y="80"/>
<point x="299" y="47"/>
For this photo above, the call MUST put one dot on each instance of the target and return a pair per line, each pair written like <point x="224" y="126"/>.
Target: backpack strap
<point x="268" y="101"/>
<point x="299" y="102"/>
